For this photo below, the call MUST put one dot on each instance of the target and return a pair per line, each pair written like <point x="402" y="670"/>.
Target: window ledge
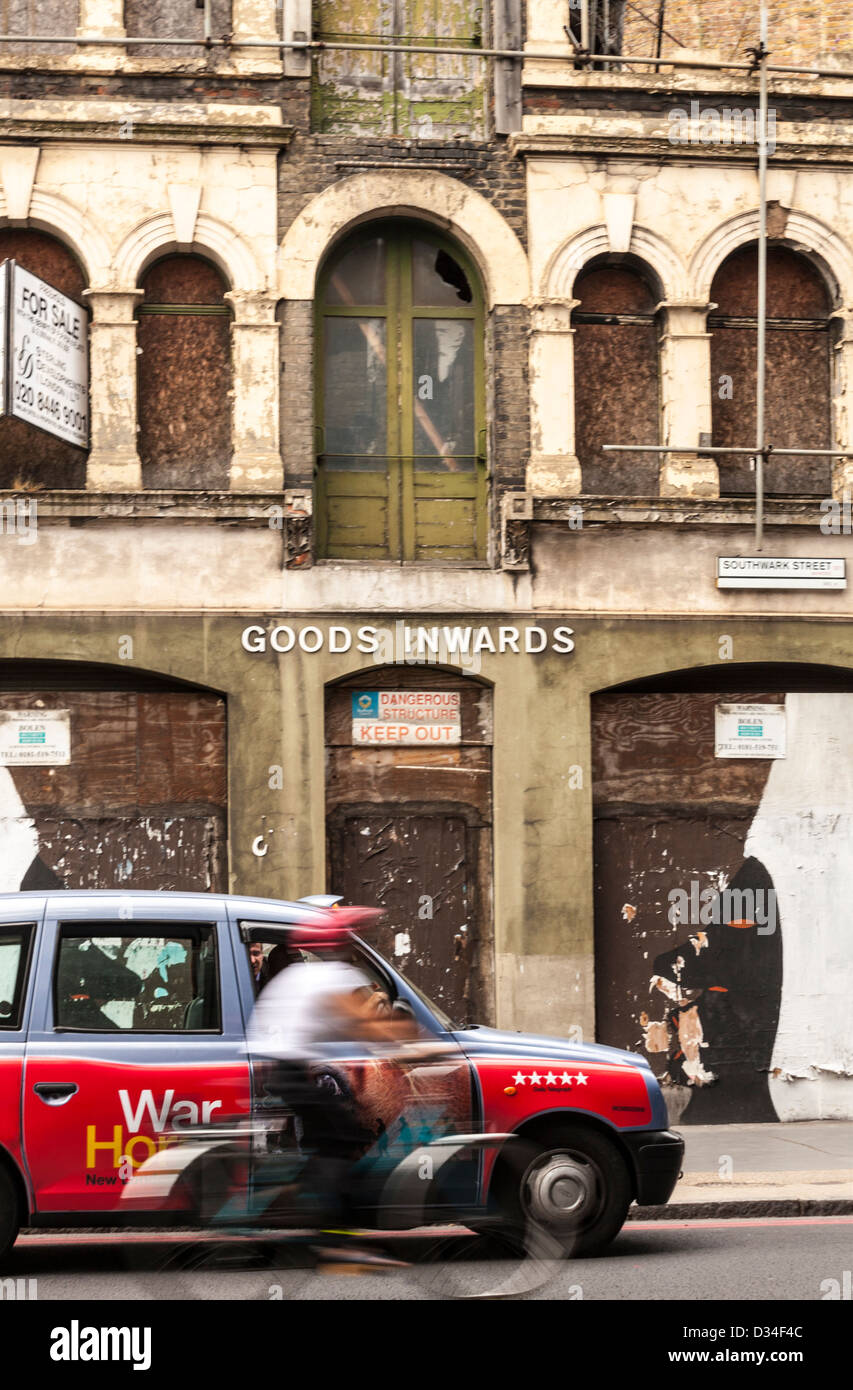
<point x="252" y="507"/>
<point x="680" y="511"/>
<point x="427" y="566"/>
<point x="216" y="123"/>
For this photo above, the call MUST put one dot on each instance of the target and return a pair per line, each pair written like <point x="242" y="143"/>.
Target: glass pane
<point x="139" y="983"/>
<point x="443" y="361"/>
<point x="355" y="393"/>
<point x="359" y="276"/>
<point x="437" y="279"/>
<point x="13" y="955"/>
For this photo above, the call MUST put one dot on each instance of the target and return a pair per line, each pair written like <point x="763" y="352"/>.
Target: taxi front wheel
<point x="571" y="1182"/>
<point x="9" y="1221"/>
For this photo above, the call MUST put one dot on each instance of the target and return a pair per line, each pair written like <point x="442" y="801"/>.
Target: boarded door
<point x="409" y="830"/>
<point x="140" y="805"/>
<point x="718" y="883"/>
<point x="384" y="859"/>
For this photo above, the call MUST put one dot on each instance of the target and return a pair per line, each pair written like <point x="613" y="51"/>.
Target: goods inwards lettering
<point x="405" y="643"/>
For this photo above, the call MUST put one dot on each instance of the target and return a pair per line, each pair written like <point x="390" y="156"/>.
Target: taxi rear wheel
<point x="9" y="1215"/>
<point x="572" y="1183"/>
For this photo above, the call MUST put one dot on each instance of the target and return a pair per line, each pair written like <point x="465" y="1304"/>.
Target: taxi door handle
<point x="55" y="1092"/>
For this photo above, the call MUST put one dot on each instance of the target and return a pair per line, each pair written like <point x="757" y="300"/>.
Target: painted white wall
<point x="803" y="834"/>
<point x="18" y="839"/>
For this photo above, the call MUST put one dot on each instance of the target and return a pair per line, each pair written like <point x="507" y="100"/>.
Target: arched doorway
<point x="721" y="883"/>
<point x="409" y="827"/>
<point x="400" y="399"/>
<point x="110" y="779"/>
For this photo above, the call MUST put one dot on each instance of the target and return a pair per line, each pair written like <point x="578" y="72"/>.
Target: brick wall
<point x="801" y="31"/>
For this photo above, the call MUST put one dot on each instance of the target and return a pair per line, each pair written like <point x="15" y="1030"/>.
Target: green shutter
<point x="414" y="95"/>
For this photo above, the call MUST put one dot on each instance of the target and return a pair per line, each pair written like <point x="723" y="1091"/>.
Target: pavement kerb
<point x="755" y="1207"/>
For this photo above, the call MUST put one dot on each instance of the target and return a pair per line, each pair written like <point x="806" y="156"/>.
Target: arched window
<point x="184" y="376"/>
<point x="163" y="19"/>
<point x="31" y="458"/>
<point x="798" y="372"/>
<point x="401" y="428"/>
<point x="617" y="387"/>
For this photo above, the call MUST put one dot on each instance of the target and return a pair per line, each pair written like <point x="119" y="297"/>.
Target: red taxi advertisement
<point x="123" y="1023"/>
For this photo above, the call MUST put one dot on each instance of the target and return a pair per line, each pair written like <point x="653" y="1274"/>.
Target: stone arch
<point x="62" y="220"/>
<point x="564" y="266"/>
<point x="803" y="233"/>
<point x="465" y="215"/>
<point x="155" y="237"/>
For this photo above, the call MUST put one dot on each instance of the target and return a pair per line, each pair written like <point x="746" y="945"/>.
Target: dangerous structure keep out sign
<point x="406" y="716"/>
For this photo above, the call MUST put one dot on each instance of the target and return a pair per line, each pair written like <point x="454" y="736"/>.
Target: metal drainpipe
<point x="760" y="449"/>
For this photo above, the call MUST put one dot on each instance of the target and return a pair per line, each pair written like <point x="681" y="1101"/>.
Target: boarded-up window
<point x="797" y="396"/>
<point x="617" y="393"/>
<point x="163" y="19"/>
<point x="184" y="376"/>
<point x="401" y="468"/>
<point x="37" y="17"/>
<point x="30" y="458"/>
<point x="411" y="94"/>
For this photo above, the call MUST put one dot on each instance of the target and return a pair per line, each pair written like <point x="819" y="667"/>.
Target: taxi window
<point x="107" y="979"/>
<point x="269" y="951"/>
<point x="14" y="958"/>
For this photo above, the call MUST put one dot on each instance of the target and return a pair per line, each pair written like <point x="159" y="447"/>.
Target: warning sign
<point x="406" y="716"/>
<point x="749" y="731"/>
<point x="28" y="736"/>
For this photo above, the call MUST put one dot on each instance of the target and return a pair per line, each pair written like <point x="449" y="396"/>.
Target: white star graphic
<point x="551" y="1079"/>
<point x="519" y="1078"/>
<point x="566" y="1079"/>
<point x="535" y="1078"/>
<point x="580" y="1078"/>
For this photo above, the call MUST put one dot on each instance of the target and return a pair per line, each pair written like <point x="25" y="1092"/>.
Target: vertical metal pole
<point x="659" y="37"/>
<point x="762" y="287"/>
<point x="585" y="24"/>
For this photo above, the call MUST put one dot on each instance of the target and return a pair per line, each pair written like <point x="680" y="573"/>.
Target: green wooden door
<point x="401" y="444"/>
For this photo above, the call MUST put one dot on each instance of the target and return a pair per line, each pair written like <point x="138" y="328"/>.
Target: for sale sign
<point x="48" y="364"/>
<point x="406" y="717"/>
